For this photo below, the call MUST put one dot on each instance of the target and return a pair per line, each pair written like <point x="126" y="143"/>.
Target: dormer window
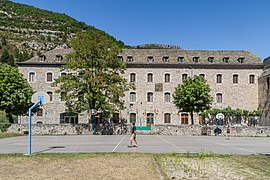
<point x="42" y="58"/>
<point x="129" y="59"/>
<point x="150" y="59"/>
<point x="211" y="59"/>
<point x="241" y="59"/>
<point x="226" y="59"/>
<point x="196" y="59"/>
<point x="181" y="59"/>
<point x="120" y="58"/>
<point x="59" y="57"/>
<point x="165" y="59"/>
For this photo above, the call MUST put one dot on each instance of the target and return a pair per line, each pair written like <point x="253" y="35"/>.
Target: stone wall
<point x="68" y="129"/>
<point x="198" y="130"/>
<point x="113" y="129"/>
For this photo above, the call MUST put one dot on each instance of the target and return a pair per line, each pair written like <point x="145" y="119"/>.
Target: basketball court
<point x="146" y="144"/>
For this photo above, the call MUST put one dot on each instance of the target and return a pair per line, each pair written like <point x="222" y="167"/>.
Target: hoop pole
<point x="40" y="101"/>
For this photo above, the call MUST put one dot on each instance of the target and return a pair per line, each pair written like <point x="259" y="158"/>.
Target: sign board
<point x="45" y="97"/>
<point x="220" y="116"/>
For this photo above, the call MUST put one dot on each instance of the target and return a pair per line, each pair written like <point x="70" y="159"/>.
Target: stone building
<point x="264" y="93"/>
<point x="232" y="76"/>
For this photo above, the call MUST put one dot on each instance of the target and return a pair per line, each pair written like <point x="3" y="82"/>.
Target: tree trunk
<point x="191" y="115"/>
<point x="10" y="118"/>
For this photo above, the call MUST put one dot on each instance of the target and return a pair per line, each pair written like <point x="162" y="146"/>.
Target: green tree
<point x="5" y="56"/>
<point x="15" y="92"/>
<point x="94" y="74"/>
<point x="193" y="95"/>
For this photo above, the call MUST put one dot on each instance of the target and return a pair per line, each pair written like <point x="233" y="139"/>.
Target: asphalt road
<point x="146" y="144"/>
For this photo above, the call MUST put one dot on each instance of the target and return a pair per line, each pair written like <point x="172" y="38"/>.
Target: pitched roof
<point x="55" y="56"/>
<point x="171" y="56"/>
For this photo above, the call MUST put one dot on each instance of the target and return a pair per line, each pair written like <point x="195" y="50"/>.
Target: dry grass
<point x="134" y="166"/>
<point x="78" y="166"/>
<point x="209" y="166"/>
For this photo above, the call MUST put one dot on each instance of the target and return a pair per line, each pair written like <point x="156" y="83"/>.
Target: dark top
<point x="133" y="129"/>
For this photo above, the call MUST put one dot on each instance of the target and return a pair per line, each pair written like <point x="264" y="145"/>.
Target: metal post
<point x="216" y="126"/>
<point x="40" y="101"/>
<point x="95" y="125"/>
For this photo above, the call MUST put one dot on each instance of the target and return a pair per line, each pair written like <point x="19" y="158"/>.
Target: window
<point x="150" y="59"/>
<point x="63" y="74"/>
<point x="132" y="77"/>
<point x="70" y="117"/>
<point x="219" y="78"/>
<point x="58" y="57"/>
<point x="202" y="75"/>
<point x="167" y="97"/>
<point x="165" y="59"/>
<point x="42" y="58"/>
<point x="251" y="79"/>
<point x="219" y="97"/>
<point x="50" y="95"/>
<point x="150" y="97"/>
<point x="241" y="59"/>
<point x="132" y="97"/>
<point x="31" y="77"/>
<point x="149" y="77"/>
<point x="196" y="59"/>
<point x="40" y="112"/>
<point x="181" y="59"/>
<point x="167" y="77"/>
<point x="132" y="117"/>
<point x="149" y="119"/>
<point x="226" y="59"/>
<point x="120" y="58"/>
<point x="184" y="77"/>
<point x="167" y="118"/>
<point x="49" y="77"/>
<point x="235" y="78"/>
<point x="184" y="118"/>
<point x="129" y="59"/>
<point x="211" y="59"/>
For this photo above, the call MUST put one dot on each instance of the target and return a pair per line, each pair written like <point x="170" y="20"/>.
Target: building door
<point x="150" y="119"/>
<point x="132" y="117"/>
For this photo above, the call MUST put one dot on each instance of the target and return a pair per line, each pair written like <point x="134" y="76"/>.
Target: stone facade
<point x="243" y="94"/>
<point x="264" y="93"/>
<point x="169" y="65"/>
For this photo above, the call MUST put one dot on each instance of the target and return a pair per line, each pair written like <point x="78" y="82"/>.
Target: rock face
<point x="113" y="129"/>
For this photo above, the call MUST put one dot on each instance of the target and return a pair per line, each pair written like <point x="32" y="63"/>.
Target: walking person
<point x="133" y="135"/>
<point x="228" y="131"/>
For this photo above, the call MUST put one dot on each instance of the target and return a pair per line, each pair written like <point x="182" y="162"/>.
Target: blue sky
<point x="190" y="24"/>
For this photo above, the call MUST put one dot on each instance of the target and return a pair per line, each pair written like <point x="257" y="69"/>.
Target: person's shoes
<point x="135" y="146"/>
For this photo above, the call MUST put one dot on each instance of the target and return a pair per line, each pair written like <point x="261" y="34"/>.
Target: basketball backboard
<point x="45" y="97"/>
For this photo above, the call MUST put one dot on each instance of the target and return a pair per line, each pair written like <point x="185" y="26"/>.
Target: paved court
<point x="147" y="144"/>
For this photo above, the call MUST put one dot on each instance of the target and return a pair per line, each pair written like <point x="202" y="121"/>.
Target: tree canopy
<point x="94" y="74"/>
<point x="15" y="92"/>
<point x="193" y="95"/>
